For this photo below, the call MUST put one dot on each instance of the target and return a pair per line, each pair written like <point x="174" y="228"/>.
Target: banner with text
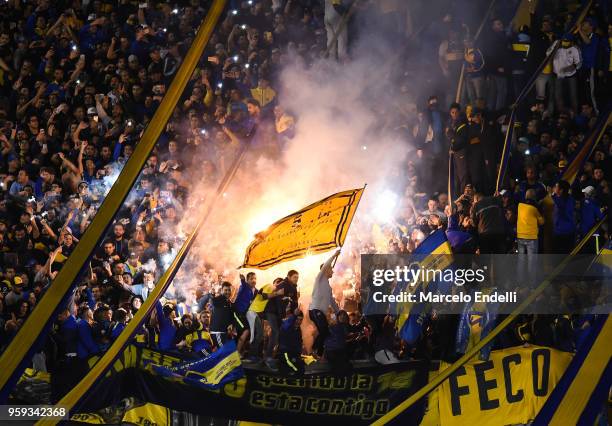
<point x="358" y="398"/>
<point x="512" y="385"/>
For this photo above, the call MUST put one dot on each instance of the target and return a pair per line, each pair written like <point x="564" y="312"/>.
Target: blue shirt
<point x="203" y="301"/>
<point x="244" y="297"/>
<point x="69" y="335"/>
<point x="589" y="52"/>
<point x="590" y="214"/>
<point x="167" y="331"/>
<point x="16" y="187"/>
<point x="140" y="48"/>
<point x="290" y="337"/>
<point x="336" y="339"/>
<point x="563" y="215"/>
<point x="86" y="346"/>
<point x="38" y="188"/>
<point x="117" y="329"/>
<point x="88" y="40"/>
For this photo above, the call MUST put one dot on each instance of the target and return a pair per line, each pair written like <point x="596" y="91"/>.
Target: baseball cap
<point x="589" y="190"/>
<point x="524" y="38"/>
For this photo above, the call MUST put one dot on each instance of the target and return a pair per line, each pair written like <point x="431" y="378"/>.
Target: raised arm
<point x="80" y="158"/>
<point x="35" y="230"/>
<point x="57" y="23"/>
<point x="66" y="162"/>
<point x="45" y="225"/>
<point x="328" y="262"/>
<point x="111" y="53"/>
<point x="100" y="110"/>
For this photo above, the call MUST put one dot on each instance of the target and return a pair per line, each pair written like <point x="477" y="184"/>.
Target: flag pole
<point x="356" y="207"/>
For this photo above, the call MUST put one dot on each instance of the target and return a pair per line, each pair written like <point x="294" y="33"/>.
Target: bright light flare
<point x="259" y="222"/>
<point x="384" y="207"/>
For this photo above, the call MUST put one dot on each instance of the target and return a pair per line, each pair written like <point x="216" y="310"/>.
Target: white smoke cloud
<point x="342" y="141"/>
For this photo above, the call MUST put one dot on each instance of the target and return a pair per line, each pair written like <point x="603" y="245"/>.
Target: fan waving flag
<point x="316" y="228"/>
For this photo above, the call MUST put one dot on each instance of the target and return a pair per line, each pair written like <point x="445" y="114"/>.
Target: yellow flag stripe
<point x="219" y="371"/>
<point x="571" y="407"/>
<point x="347" y="215"/>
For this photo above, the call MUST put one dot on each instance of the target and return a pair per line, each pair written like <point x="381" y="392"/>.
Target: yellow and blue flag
<point x="212" y="372"/>
<point x="574" y="167"/>
<point x="476" y="322"/>
<point x="435" y="252"/>
<point x="580" y="395"/>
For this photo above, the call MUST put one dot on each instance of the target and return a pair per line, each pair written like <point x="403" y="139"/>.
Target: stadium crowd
<point x="80" y="81"/>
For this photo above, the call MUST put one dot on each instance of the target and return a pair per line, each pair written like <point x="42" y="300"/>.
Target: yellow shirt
<point x="528" y="220"/>
<point x="259" y="303"/>
<point x="199" y="334"/>
<point x="548" y="68"/>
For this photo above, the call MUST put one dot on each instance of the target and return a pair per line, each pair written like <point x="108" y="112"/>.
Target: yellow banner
<point x="317" y="228"/>
<point x="509" y="388"/>
<point x="148" y="415"/>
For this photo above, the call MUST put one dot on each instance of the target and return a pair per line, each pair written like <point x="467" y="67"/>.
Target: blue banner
<point x="212" y="372"/>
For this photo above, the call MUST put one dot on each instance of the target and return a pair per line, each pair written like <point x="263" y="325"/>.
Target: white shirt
<point x="564" y="59"/>
<point x="322" y="297"/>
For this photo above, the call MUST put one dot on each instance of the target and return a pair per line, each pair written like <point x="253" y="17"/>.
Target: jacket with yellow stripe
<point x="520" y="52"/>
<point x="459" y="136"/>
<point x="199" y="339"/>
